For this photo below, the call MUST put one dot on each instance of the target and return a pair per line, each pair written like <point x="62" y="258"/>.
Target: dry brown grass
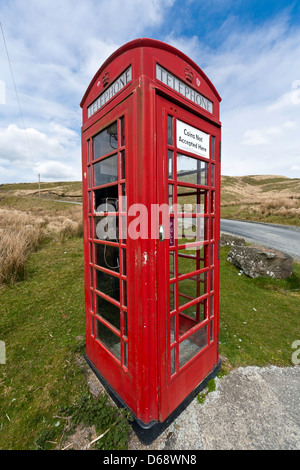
<point x="261" y="198"/>
<point x="21" y="232"/>
<point x="15" y="246"/>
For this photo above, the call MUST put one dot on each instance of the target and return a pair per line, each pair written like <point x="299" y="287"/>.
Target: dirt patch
<point x="80" y="439"/>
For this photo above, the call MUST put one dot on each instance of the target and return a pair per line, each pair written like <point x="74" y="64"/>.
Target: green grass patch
<point x="42" y="323"/>
<point x="259" y="318"/>
<point x="43" y="326"/>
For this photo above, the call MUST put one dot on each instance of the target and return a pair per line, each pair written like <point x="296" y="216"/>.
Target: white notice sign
<point x="192" y="140"/>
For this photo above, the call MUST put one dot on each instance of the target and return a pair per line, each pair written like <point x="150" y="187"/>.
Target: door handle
<point x="161" y="233"/>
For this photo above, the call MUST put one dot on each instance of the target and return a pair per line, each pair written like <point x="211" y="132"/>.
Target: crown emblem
<point x="105" y="79"/>
<point x="189" y="74"/>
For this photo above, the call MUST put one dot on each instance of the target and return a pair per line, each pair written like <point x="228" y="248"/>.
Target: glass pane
<point x="172" y="297"/>
<point x="171" y="198"/>
<point x="212" y="177"/>
<point x="125" y="354"/>
<point x="109" y="285"/>
<point x="212" y="276"/>
<point x="192" y="316"/>
<point x="191" y="200"/>
<point x="123" y="229"/>
<point x="172" y="329"/>
<point x="109" y="339"/>
<point x="212" y="306"/>
<point x="106" y="171"/>
<point x="191" y="170"/>
<point x="124" y="286"/>
<point x="123" y="166"/>
<point x="106" y="199"/>
<point x="123" y="201"/>
<point x="170" y="164"/>
<point x="122" y="132"/>
<point x="172" y="264"/>
<point x="211" y="331"/>
<point x="191" y="259"/>
<point x="89" y="151"/>
<point x="107" y="228"/>
<point x="212" y="228"/>
<point x="191" y="346"/>
<point x="91" y="252"/>
<point x="92" y="301"/>
<point x="90" y="227"/>
<point x="89" y="177"/>
<point x="170" y="130"/>
<point x="106" y="141"/>
<point x="212" y="209"/>
<point x="212" y="255"/>
<point x="107" y="256"/>
<point x="213" y="139"/>
<point x="92" y="325"/>
<point x="124" y="323"/>
<point x="108" y="311"/>
<point x="173" y="361"/>
<point x="124" y="261"/>
<point x="192" y="288"/>
<point x="191" y="229"/>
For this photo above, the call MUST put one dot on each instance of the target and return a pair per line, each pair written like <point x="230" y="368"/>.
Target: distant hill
<point x="262" y="198"/>
<point x="66" y="190"/>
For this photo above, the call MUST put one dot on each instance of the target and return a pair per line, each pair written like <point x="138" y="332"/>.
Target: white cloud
<point x="267" y="135"/>
<point x="257" y="73"/>
<point x="54" y="170"/>
<point x="55" y="49"/>
<point x="58" y="151"/>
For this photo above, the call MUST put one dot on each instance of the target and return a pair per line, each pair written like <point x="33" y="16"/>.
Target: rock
<point x="258" y="261"/>
<point x="231" y="240"/>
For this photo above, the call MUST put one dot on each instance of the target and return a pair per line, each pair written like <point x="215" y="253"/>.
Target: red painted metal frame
<point x="144" y="383"/>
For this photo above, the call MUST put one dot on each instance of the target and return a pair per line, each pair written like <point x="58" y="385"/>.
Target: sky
<point x="249" y="49"/>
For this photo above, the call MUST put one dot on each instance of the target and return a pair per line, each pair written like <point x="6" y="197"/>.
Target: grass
<point x="259" y="318"/>
<point x="43" y="326"/>
<point x="25" y="223"/>
<point x="41" y="318"/>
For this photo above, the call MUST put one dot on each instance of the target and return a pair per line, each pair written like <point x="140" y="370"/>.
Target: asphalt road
<point x="279" y="237"/>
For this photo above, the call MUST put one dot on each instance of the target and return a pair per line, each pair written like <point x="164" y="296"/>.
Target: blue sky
<point x="249" y="49"/>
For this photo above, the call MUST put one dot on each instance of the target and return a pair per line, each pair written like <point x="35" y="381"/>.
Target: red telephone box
<point x="151" y="199"/>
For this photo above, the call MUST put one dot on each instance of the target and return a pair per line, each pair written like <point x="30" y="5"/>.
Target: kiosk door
<point x="187" y="167"/>
<point x="108" y="345"/>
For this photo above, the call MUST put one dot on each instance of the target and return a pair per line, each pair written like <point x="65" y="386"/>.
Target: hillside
<point x="262" y="198"/>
